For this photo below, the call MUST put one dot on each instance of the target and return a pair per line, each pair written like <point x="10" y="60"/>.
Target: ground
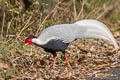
<point x="90" y="59"/>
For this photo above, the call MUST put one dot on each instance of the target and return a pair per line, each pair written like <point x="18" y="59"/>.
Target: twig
<point x="81" y="11"/>
<point x="8" y="26"/>
<point x="75" y="13"/>
<point x="93" y="11"/>
<point x="3" y="25"/>
<point x="25" y="27"/>
<point x="65" y="10"/>
<point x="109" y="10"/>
<point x="46" y="18"/>
<point x="106" y="12"/>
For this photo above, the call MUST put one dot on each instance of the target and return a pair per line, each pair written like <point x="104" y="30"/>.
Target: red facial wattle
<point x="28" y="41"/>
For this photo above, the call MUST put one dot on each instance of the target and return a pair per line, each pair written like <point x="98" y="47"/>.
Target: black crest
<point x="32" y="36"/>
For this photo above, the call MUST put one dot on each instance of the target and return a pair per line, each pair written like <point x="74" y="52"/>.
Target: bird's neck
<point x="36" y="41"/>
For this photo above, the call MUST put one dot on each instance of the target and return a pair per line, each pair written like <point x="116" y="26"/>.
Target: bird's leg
<point x="54" y="60"/>
<point x="67" y="63"/>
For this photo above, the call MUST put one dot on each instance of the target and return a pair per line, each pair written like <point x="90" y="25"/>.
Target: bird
<point x="57" y="37"/>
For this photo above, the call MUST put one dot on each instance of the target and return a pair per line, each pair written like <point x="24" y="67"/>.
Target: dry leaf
<point x="82" y="79"/>
<point x="116" y="34"/>
<point x="68" y="75"/>
<point x="16" y="78"/>
<point x="1" y="79"/>
<point x="3" y="65"/>
<point x="103" y="65"/>
<point x="39" y="79"/>
<point x="105" y="7"/>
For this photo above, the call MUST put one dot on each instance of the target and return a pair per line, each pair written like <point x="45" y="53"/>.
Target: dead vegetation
<point x="88" y="58"/>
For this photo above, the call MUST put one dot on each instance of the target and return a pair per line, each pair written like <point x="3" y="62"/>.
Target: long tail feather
<point x="96" y="29"/>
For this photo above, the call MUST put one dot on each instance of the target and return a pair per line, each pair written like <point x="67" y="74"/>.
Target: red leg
<point x="54" y="61"/>
<point x="67" y="63"/>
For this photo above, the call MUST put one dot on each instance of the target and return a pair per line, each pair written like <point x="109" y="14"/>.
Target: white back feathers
<point x="69" y="32"/>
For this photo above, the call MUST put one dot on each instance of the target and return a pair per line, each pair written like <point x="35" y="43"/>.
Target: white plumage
<point x="56" y="37"/>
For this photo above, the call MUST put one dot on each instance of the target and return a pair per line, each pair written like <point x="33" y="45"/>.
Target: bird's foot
<point x="53" y="65"/>
<point x="54" y="62"/>
<point x="68" y="65"/>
